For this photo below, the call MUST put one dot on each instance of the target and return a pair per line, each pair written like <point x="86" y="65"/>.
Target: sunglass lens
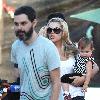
<point x="57" y="31"/>
<point x="49" y="30"/>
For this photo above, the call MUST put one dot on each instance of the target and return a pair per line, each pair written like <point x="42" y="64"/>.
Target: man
<point x="37" y="59"/>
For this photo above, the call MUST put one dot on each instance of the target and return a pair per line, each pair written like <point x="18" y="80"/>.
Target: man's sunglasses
<point x="55" y="30"/>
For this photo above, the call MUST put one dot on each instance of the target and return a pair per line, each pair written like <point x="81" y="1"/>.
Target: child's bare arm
<point x="88" y="75"/>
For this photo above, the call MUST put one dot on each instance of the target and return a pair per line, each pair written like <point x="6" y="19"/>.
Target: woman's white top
<point x="67" y="67"/>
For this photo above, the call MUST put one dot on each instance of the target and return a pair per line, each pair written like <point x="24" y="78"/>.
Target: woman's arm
<point x="95" y="70"/>
<point x="80" y="80"/>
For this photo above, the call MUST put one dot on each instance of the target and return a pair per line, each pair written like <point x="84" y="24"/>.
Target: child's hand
<point x="84" y="89"/>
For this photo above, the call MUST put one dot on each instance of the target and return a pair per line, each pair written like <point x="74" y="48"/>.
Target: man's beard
<point x="24" y="36"/>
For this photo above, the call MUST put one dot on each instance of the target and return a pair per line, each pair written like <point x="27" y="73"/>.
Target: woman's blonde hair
<point x="64" y="25"/>
<point x="69" y="47"/>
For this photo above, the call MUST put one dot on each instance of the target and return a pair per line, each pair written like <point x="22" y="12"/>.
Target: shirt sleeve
<point x="53" y="59"/>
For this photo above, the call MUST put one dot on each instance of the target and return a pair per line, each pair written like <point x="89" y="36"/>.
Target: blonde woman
<point x="57" y="31"/>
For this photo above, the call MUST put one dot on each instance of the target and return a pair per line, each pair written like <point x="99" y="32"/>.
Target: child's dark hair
<point x="27" y="10"/>
<point x="84" y="42"/>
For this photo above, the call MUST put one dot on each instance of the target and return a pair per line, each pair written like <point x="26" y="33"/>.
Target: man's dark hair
<point x="56" y="14"/>
<point x="27" y="10"/>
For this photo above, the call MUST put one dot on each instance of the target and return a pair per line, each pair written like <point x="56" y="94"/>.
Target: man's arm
<point x="56" y="84"/>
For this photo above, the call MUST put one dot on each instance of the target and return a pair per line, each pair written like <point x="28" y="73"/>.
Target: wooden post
<point x="1" y="29"/>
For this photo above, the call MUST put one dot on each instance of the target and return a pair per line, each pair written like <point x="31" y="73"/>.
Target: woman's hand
<point x="84" y="89"/>
<point x="78" y="80"/>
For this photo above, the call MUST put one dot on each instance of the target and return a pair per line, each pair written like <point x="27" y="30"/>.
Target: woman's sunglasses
<point x="55" y="30"/>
